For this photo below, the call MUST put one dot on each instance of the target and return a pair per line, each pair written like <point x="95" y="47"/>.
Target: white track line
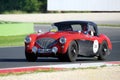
<point x="80" y="65"/>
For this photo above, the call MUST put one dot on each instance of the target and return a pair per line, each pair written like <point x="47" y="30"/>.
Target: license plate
<point x="44" y="50"/>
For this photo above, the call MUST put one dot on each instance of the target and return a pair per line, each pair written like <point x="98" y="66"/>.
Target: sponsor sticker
<point x="95" y="46"/>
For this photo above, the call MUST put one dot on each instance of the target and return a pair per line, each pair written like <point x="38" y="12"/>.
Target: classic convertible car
<point x="68" y="40"/>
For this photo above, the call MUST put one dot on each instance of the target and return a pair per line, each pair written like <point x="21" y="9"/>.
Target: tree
<point x="23" y="5"/>
<point x="8" y="5"/>
<point x="30" y="5"/>
<point x="43" y="6"/>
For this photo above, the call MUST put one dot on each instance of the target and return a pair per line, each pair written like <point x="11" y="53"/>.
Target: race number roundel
<point x="95" y="46"/>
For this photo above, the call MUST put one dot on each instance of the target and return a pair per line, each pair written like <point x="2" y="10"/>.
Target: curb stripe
<point x="57" y="67"/>
<point x="27" y="69"/>
<point x="114" y="62"/>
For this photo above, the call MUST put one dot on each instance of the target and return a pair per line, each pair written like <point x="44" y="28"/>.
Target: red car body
<point x="68" y="40"/>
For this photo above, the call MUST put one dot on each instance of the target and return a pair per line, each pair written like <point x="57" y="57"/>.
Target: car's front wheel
<point x="31" y="57"/>
<point x="103" y="51"/>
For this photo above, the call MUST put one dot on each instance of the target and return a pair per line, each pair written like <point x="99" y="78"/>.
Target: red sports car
<point x="67" y="40"/>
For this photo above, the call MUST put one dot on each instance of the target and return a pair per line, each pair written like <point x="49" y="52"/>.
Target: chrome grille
<point x="45" y="42"/>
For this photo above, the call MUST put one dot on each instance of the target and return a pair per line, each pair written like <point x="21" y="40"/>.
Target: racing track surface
<point x="14" y="56"/>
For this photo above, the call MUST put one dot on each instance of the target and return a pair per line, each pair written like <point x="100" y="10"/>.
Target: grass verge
<point x="13" y="33"/>
<point x="109" y="25"/>
<point x="14" y="28"/>
<point x="12" y="40"/>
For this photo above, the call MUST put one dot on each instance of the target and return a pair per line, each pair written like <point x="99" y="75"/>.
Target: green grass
<point x="12" y="40"/>
<point x="109" y="25"/>
<point x="13" y="33"/>
<point x="14" y="28"/>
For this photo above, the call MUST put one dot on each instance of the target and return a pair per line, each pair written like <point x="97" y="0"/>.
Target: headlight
<point x="62" y="40"/>
<point x="27" y="39"/>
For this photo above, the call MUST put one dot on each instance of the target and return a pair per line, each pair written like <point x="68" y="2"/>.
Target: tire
<point x="103" y="51"/>
<point x="72" y="52"/>
<point x="31" y="57"/>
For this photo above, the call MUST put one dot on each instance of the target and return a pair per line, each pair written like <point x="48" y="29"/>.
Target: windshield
<point x="67" y="27"/>
<point x="54" y="29"/>
<point x="79" y="26"/>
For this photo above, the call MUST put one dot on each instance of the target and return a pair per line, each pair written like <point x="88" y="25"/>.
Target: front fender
<point x="66" y="46"/>
<point x="28" y="46"/>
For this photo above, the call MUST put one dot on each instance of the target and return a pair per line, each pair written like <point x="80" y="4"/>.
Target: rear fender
<point x="105" y="38"/>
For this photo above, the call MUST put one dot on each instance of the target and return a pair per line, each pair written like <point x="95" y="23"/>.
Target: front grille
<point x="45" y="42"/>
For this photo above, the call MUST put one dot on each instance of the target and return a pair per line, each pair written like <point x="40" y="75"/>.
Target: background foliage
<point x="23" y="6"/>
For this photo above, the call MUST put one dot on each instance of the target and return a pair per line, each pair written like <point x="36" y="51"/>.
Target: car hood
<point x="55" y="35"/>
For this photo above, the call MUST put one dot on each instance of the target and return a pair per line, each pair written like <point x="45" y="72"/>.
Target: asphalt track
<point x="14" y="56"/>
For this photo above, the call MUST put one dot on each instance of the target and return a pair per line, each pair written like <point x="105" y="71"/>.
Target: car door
<point x="86" y="43"/>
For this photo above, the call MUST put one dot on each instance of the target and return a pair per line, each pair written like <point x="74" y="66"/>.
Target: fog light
<point x="34" y="49"/>
<point x="54" y="50"/>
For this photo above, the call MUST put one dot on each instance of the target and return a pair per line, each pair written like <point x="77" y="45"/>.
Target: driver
<point x="85" y="29"/>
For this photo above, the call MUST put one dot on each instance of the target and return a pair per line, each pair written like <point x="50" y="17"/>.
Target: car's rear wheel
<point x="103" y="51"/>
<point x="31" y="57"/>
<point x="72" y="52"/>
